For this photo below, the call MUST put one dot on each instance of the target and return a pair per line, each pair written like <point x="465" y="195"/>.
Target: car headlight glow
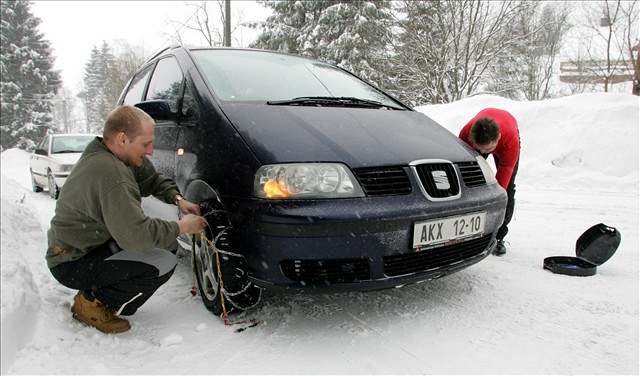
<point x="306" y="180"/>
<point x="487" y="171"/>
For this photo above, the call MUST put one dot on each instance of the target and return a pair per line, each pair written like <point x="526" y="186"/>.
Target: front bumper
<point x="60" y="178"/>
<point x="357" y="244"/>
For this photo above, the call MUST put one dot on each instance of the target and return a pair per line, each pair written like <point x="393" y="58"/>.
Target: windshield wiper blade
<point x="65" y="151"/>
<point x="332" y="101"/>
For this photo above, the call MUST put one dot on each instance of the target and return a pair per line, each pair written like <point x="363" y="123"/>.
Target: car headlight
<point x="306" y="180"/>
<point x="66" y="168"/>
<point x="487" y="171"/>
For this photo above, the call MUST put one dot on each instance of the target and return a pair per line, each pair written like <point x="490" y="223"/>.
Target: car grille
<point x="471" y="174"/>
<point x="383" y="181"/>
<point x="326" y="271"/>
<point x="425" y="174"/>
<point x="435" y="257"/>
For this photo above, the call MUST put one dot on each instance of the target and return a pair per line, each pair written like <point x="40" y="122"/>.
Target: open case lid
<point x="598" y="244"/>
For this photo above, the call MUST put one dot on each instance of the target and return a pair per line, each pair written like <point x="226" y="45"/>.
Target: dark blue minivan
<point x="310" y="177"/>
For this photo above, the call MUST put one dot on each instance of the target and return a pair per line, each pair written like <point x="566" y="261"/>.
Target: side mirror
<point x="157" y="109"/>
<point x="40" y="152"/>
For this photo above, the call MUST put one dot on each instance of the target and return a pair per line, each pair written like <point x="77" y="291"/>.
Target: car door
<point x="167" y="83"/>
<point x="39" y="160"/>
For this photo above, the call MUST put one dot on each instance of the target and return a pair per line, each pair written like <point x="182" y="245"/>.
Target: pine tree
<point x="28" y="82"/>
<point x="93" y="83"/>
<point x="354" y="35"/>
<point x="351" y="34"/>
<point x="290" y="26"/>
<point x="106" y="62"/>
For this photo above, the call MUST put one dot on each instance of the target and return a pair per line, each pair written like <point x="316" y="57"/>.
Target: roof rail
<point x="160" y="51"/>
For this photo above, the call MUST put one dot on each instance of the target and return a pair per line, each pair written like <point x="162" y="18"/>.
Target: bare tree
<point x="127" y="59"/>
<point x="631" y="40"/>
<point x="208" y="24"/>
<point x="63" y="114"/>
<point x="609" y="49"/>
<point x="447" y="46"/>
<point x="526" y="68"/>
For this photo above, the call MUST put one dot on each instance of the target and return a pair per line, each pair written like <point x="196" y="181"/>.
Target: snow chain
<point x="224" y="295"/>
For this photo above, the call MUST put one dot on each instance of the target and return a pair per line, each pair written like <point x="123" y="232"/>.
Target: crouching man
<point x="100" y="241"/>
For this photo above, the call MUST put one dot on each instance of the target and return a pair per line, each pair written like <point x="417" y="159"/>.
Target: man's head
<point x="484" y="135"/>
<point x="128" y="133"/>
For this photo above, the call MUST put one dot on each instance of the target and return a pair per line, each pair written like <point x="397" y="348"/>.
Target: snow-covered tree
<point x="106" y="64"/>
<point x="102" y="86"/>
<point x="354" y="35"/>
<point x="290" y="26"/>
<point x="28" y="82"/>
<point x="93" y="86"/>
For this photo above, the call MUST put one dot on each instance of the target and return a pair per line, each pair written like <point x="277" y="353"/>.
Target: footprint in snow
<point x="171" y="339"/>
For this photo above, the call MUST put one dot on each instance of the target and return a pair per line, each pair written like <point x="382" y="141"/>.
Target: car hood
<point x="359" y="137"/>
<point x="66" y="158"/>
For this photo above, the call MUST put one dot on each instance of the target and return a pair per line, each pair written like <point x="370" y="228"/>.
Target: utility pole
<point x="227" y="23"/>
<point x="65" y="117"/>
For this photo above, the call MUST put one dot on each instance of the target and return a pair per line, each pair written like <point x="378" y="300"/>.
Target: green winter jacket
<point x="100" y="200"/>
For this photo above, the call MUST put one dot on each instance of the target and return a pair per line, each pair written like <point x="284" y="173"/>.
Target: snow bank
<point x="574" y="139"/>
<point x="20" y="233"/>
<point x="13" y="163"/>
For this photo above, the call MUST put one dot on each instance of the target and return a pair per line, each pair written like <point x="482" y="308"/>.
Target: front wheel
<point x="54" y="191"/>
<point x="213" y="257"/>
<point x="34" y="186"/>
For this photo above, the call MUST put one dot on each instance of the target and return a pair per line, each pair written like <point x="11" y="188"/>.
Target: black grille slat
<point x="425" y="174"/>
<point x="434" y="253"/>
<point x="326" y="271"/>
<point x="408" y="263"/>
<point x="381" y="181"/>
<point x="471" y="173"/>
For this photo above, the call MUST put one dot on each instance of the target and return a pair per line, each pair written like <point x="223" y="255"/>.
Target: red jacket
<point x="507" y="151"/>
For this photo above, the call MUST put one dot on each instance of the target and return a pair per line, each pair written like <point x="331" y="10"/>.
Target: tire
<point x="34" y="186"/>
<point x="239" y="293"/>
<point x="54" y="191"/>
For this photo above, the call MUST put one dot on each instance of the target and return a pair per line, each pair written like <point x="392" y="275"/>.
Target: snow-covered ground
<point x="504" y="315"/>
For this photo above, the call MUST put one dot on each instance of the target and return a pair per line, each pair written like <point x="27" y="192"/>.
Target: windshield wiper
<point x="332" y="101"/>
<point x="65" y="151"/>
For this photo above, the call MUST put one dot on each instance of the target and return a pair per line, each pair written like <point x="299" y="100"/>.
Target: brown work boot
<point x="94" y="313"/>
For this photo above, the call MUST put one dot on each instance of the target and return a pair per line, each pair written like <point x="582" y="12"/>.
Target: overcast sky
<point x="74" y="27"/>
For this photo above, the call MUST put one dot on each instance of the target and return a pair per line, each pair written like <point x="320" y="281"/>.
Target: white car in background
<point x="53" y="159"/>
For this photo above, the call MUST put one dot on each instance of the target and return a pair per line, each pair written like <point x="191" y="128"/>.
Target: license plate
<point x="447" y="229"/>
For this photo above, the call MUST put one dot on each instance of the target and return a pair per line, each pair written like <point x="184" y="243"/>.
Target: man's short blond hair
<point x="125" y="119"/>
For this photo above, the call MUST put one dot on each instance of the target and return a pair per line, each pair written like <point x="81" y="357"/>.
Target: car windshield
<point x="236" y="75"/>
<point x="70" y="144"/>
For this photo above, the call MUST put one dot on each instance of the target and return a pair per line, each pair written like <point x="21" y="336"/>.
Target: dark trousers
<point x="511" y="201"/>
<point x="121" y="280"/>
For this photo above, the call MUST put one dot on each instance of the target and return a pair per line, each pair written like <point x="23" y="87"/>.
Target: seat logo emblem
<point x="441" y="180"/>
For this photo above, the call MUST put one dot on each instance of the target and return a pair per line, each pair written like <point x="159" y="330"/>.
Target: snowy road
<point x="503" y="315"/>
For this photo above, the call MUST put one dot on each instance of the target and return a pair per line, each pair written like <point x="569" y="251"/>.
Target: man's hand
<point x="188" y="207"/>
<point x="191" y="224"/>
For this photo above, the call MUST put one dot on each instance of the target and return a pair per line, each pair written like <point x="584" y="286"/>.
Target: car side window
<point x="44" y="144"/>
<point x="166" y="83"/>
<point x="189" y="105"/>
<point x="134" y="95"/>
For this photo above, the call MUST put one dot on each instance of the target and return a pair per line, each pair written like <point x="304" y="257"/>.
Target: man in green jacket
<point x="100" y="241"/>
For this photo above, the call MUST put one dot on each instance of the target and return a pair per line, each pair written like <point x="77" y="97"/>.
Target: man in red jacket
<point x="494" y="131"/>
